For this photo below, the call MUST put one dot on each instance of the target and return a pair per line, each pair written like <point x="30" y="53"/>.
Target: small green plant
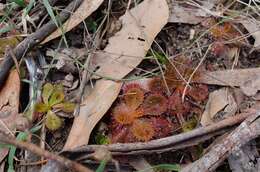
<point x="53" y="98"/>
<point x="101" y="139"/>
<point x="159" y="56"/>
<point x="168" y="167"/>
<point x="21" y="3"/>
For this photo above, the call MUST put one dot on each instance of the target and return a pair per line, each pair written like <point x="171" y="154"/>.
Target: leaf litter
<point x="154" y="69"/>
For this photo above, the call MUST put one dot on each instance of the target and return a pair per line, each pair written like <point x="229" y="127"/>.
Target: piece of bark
<point x="244" y="159"/>
<point x="246" y="131"/>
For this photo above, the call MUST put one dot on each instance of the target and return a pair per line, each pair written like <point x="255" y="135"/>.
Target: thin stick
<point x="167" y="142"/>
<point x="41" y="152"/>
<point x="17" y="66"/>
<point x="86" y="74"/>
<point x="193" y="73"/>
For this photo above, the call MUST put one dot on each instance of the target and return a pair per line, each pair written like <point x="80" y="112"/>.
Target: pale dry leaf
<point x="185" y="13"/>
<point x="127" y="48"/>
<point x="9" y="105"/>
<point x="86" y="8"/>
<point x="234" y="78"/>
<point x="140" y="164"/>
<point x="219" y="100"/>
<point x="253" y="27"/>
<point x="251" y="86"/>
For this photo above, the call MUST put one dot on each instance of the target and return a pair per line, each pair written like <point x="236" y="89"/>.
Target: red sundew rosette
<point x="176" y="106"/>
<point x="142" y="130"/>
<point x="162" y="127"/>
<point x="133" y="95"/>
<point x="157" y="85"/>
<point x="154" y="104"/>
<point x="198" y="92"/>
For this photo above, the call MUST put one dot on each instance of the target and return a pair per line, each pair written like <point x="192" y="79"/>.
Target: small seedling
<point x="53" y="98"/>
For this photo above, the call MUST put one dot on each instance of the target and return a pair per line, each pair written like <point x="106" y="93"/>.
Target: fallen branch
<point x="165" y="144"/>
<point x="4" y="138"/>
<point x="34" y="39"/>
<point x="245" y="158"/>
<point x="245" y="132"/>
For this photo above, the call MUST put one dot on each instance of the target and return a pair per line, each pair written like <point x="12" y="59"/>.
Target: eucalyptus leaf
<point x="65" y="107"/>
<point x="56" y="97"/>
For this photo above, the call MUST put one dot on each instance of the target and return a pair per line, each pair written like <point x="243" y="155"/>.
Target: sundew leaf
<point x="134" y="97"/>
<point x="42" y="107"/>
<point x="47" y="92"/>
<point x="53" y="122"/>
<point x="65" y="107"/>
<point x="56" y="97"/>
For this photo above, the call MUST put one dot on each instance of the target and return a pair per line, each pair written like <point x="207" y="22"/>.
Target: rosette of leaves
<point x="53" y="98"/>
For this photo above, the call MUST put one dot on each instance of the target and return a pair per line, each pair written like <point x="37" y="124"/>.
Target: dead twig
<point x="245" y="132"/>
<point x="34" y="39"/>
<point x="4" y="138"/>
<point x="168" y="143"/>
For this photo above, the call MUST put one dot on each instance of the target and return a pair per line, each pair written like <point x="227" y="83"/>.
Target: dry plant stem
<point x="17" y="66"/>
<point x="33" y="40"/>
<point x="86" y="74"/>
<point x="167" y="142"/>
<point x="193" y="73"/>
<point x="35" y="149"/>
<point x="245" y="132"/>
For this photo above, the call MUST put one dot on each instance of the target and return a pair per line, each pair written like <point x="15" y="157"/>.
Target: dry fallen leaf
<point x="254" y="29"/>
<point x="234" y="78"/>
<point x="86" y="8"/>
<point x="140" y="164"/>
<point x="251" y="86"/>
<point x="218" y="100"/>
<point x="191" y="15"/>
<point x="9" y="105"/>
<point x="126" y="50"/>
<point x="247" y="79"/>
